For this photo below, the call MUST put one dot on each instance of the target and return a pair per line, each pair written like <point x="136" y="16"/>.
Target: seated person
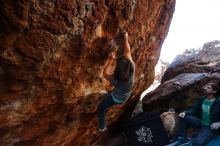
<point x="205" y="115"/>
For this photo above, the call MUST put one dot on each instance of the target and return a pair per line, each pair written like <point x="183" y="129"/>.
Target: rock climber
<point x="122" y="80"/>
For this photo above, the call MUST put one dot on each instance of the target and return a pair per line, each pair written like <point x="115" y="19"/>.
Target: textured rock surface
<point x="204" y="59"/>
<point x="179" y="92"/>
<point x="52" y="55"/>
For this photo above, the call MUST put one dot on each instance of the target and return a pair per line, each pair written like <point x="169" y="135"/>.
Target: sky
<point x="194" y="23"/>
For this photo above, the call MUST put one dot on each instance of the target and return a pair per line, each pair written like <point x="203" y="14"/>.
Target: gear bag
<point x="145" y="129"/>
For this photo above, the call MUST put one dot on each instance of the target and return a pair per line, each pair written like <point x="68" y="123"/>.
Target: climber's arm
<point x="107" y="69"/>
<point x="127" y="49"/>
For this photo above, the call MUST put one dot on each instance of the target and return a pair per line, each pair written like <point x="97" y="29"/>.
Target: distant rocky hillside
<point x="159" y="72"/>
<point x="160" y="69"/>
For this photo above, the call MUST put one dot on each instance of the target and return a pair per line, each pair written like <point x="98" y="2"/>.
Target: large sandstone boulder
<point x="183" y="80"/>
<point x="178" y="93"/>
<point x="201" y="60"/>
<point x="52" y="55"/>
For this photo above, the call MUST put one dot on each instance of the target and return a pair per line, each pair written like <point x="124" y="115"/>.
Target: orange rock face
<point x="52" y="55"/>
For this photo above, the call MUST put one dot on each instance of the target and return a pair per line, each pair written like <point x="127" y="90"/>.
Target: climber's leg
<point x="106" y="102"/>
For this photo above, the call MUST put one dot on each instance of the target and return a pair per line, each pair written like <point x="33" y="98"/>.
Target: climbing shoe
<point x="103" y="129"/>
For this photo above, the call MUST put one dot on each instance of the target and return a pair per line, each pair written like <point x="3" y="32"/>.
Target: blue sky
<point x="194" y="23"/>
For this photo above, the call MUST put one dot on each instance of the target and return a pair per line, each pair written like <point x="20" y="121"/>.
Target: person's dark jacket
<point x="214" y="110"/>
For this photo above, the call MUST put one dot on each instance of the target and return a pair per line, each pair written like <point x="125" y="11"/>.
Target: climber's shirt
<point x="122" y="90"/>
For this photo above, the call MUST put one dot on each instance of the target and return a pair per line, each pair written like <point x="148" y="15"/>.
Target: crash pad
<point x="213" y="142"/>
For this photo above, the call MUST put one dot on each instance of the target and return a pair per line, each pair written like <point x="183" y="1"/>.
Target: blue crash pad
<point x="214" y="142"/>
